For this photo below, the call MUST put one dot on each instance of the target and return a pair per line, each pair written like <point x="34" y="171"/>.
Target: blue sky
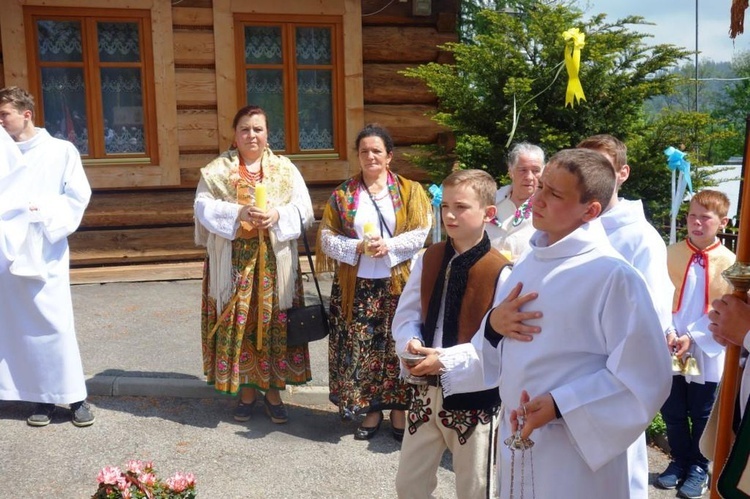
<point x="675" y="23"/>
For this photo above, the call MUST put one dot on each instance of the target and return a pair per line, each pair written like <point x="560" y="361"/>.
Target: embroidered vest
<point x="718" y="259"/>
<point x="475" y="303"/>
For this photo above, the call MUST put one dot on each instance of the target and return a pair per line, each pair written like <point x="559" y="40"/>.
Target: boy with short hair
<point x="450" y="289"/>
<point x="628" y="230"/>
<point x="593" y="379"/>
<point x="695" y="266"/>
<point x="38" y="331"/>
<point x="643" y="247"/>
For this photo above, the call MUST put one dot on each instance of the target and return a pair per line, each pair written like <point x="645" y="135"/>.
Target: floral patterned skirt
<point x="362" y="361"/>
<point x="231" y="358"/>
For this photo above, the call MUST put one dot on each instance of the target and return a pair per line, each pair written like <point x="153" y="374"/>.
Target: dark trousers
<point x="687" y="400"/>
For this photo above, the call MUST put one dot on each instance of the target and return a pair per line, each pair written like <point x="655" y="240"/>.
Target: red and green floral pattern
<point x="230" y="358"/>
<point x="362" y="361"/>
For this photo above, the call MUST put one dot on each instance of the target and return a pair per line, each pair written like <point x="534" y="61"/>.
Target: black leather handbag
<point x="308" y="323"/>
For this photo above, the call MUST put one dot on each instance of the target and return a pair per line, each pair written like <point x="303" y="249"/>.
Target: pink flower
<point x="147" y="479"/>
<point x="123" y="483"/>
<point x="177" y="483"/>
<point x="138" y="479"/>
<point x="135" y="466"/>
<point x="109" y="475"/>
<point x="282" y="316"/>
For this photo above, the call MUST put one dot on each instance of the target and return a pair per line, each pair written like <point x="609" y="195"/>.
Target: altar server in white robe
<point x="641" y="246"/>
<point x="591" y="381"/>
<point x="39" y="356"/>
<point x="12" y="168"/>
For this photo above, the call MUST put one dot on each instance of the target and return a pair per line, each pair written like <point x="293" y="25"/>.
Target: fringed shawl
<point x="221" y="177"/>
<point x="412" y="209"/>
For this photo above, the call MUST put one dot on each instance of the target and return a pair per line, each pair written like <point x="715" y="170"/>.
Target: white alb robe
<point x="39" y="356"/>
<point x="599" y="354"/>
<point x="641" y="245"/>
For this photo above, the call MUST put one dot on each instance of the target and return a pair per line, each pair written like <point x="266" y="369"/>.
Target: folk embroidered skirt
<point x="362" y="361"/>
<point x="231" y="358"/>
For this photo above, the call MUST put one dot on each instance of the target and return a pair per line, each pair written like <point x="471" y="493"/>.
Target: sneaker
<point x="82" y="415"/>
<point x="696" y="483"/>
<point x="671" y="477"/>
<point x="243" y="411"/>
<point x="42" y="415"/>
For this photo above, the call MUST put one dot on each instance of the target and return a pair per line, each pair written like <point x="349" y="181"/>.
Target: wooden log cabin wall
<point x="139" y="224"/>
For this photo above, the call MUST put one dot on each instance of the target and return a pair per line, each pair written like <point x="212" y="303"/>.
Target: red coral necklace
<point x="251" y="177"/>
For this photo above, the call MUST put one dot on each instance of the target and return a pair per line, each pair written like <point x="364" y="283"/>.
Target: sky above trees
<point x="675" y="23"/>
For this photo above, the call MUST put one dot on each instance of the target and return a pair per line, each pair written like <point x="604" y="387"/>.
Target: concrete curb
<point x="132" y="386"/>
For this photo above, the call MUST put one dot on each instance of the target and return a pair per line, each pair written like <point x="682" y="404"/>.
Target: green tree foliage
<point x="717" y="91"/>
<point x="735" y="106"/>
<point x="512" y="66"/>
<point x="650" y="178"/>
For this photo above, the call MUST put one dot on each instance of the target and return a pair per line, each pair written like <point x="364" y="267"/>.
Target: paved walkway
<point x="141" y="353"/>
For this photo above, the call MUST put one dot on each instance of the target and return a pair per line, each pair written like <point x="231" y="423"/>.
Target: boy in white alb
<point x="593" y="379"/>
<point x="39" y="356"/>
<point x="449" y="290"/>
<point x="695" y="267"/>
<point x="641" y="245"/>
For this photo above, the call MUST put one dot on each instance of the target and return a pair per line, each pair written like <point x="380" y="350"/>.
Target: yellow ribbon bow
<point x="574" y="42"/>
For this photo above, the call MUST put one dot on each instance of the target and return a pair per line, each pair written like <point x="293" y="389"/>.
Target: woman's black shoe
<point x="243" y="411"/>
<point x="367" y="432"/>
<point x="277" y="413"/>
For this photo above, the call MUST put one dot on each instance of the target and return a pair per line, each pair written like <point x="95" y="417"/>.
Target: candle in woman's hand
<point x="260" y="196"/>
<point x="369" y="229"/>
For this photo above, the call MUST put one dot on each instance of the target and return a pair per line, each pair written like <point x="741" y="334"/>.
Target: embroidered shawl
<point x="221" y="177"/>
<point x="412" y="207"/>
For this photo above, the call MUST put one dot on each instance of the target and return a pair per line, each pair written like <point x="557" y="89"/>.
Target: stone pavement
<point x="141" y="354"/>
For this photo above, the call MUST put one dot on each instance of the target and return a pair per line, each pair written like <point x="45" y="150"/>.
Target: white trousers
<point x="422" y="451"/>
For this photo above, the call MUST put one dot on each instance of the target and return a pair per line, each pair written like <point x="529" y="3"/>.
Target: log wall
<point x="153" y="225"/>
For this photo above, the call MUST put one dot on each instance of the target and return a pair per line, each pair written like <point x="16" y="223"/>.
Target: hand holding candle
<point x="369" y="230"/>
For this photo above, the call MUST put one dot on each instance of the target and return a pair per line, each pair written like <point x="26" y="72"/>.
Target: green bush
<point x="657" y="427"/>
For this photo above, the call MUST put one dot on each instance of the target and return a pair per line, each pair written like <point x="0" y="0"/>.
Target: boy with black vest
<point x="451" y="287"/>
